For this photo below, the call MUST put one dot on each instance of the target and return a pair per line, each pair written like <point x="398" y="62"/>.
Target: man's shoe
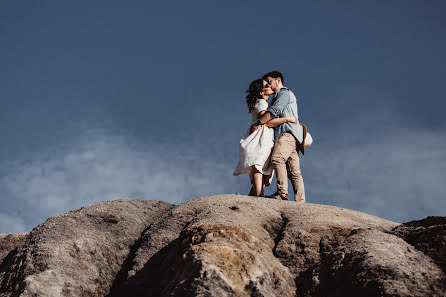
<point x="279" y="196"/>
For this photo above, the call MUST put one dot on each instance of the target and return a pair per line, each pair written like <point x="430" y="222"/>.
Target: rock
<point x="373" y="263"/>
<point x="9" y="242"/>
<point x="80" y="252"/>
<point x="228" y="245"/>
<point x="427" y="236"/>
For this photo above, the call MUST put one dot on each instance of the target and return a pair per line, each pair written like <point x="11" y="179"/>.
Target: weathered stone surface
<point x="227" y="245"/>
<point x="80" y="252"/>
<point x="9" y="242"/>
<point x="372" y="263"/>
<point x="427" y="236"/>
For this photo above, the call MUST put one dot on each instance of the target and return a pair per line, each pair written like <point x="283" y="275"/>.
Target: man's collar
<point x="282" y="88"/>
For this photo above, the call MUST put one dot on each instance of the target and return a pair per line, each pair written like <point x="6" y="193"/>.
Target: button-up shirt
<point x="284" y="104"/>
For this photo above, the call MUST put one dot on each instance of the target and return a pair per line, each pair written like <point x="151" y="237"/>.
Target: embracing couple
<point x="274" y="139"/>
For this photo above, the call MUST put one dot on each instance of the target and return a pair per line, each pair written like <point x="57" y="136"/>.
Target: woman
<point x="255" y="148"/>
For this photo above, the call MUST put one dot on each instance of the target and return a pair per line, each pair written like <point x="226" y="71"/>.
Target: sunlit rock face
<point x="227" y="245"/>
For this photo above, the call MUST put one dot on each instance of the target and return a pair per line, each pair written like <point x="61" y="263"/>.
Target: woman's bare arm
<point x="259" y="115"/>
<point x="279" y="121"/>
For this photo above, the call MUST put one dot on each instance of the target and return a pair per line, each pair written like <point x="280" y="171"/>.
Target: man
<point x="288" y="138"/>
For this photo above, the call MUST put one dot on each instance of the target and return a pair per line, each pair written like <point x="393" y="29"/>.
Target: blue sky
<point x="102" y="100"/>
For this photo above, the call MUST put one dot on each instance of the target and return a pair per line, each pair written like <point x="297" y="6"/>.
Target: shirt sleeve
<point x="260" y="105"/>
<point x="283" y="98"/>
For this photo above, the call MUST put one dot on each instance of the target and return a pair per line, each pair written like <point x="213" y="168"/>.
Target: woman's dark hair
<point x="253" y="93"/>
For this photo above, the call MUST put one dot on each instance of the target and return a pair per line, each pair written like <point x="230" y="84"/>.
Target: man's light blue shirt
<point x="284" y="104"/>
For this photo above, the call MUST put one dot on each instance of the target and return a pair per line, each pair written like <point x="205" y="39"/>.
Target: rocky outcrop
<point x="427" y="236"/>
<point x="77" y="253"/>
<point x="228" y="245"/>
<point x="9" y="242"/>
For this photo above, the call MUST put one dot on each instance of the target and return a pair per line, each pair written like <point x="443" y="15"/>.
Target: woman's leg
<point x="258" y="182"/>
<point x="262" y="194"/>
<point x="252" y="192"/>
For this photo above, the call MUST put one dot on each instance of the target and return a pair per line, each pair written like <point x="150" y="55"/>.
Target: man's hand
<point x="292" y="120"/>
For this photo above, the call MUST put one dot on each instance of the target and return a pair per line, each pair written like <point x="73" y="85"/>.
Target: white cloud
<point x="102" y="166"/>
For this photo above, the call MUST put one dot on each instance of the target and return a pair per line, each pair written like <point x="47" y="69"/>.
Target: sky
<point x="103" y="100"/>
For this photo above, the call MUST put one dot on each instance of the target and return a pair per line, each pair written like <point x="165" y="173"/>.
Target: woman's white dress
<point x="255" y="148"/>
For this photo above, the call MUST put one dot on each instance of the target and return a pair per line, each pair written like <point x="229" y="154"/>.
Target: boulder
<point x="225" y="245"/>
<point x="80" y="252"/>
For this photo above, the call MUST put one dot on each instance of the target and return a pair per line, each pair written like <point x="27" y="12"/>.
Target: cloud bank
<point x="101" y="166"/>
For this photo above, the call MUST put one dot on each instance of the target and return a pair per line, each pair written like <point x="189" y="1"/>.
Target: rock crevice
<point x="280" y="234"/>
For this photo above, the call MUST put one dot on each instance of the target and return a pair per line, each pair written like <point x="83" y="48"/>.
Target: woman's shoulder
<point x="261" y="102"/>
<point x="261" y="105"/>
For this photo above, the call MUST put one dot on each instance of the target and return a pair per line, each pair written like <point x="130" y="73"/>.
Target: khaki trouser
<point x="285" y="153"/>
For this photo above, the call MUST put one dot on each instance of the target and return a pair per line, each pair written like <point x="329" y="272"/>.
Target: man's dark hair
<point x="273" y="74"/>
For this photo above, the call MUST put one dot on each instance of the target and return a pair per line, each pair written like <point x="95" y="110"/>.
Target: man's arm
<point x="266" y="117"/>
<point x="282" y="100"/>
<point x="274" y="111"/>
<point x="279" y="121"/>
